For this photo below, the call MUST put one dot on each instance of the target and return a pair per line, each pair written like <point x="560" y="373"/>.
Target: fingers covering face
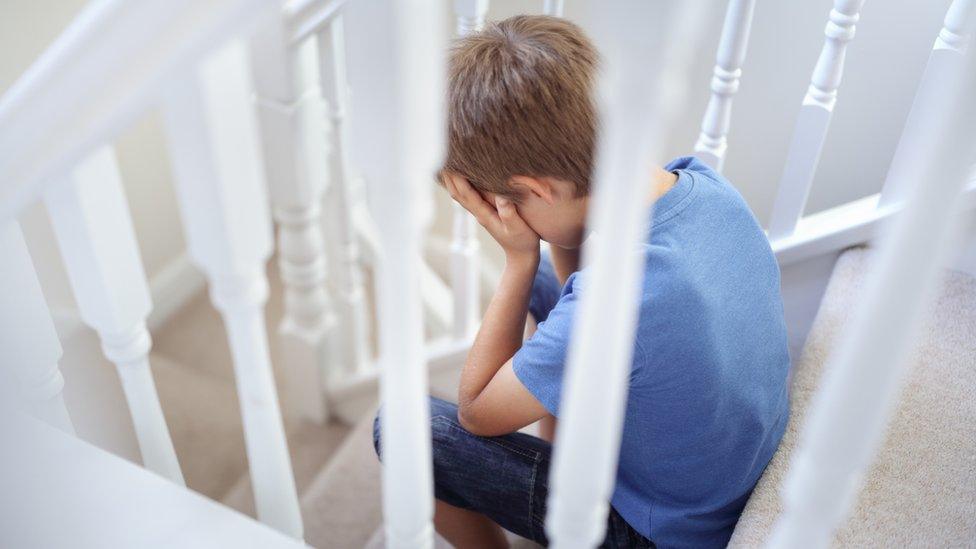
<point x="462" y="191"/>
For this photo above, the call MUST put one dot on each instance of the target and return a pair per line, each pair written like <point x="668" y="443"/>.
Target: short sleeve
<point x="540" y="363"/>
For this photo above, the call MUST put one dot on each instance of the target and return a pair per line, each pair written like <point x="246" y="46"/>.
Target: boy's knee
<point x="376" y="434"/>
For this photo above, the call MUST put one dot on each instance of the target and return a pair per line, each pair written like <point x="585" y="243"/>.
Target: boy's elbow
<point x="473" y="422"/>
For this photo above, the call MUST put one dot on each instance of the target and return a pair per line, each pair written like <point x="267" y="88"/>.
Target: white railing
<point x="301" y="137"/>
<point x="814" y="120"/>
<point x="117" y="60"/>
<point x="712" y="141"/>
<point x="850" y="412"/>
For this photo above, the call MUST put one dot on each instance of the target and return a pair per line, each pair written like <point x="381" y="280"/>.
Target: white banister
<point x="290" y="113"/>
<point x="813" y="121"/>
<point x="91" y="222"/>
<point x="29" y="345"/>
<point x="849" y="414"/>
<point x="946" y="58"/>
<point x="399" y="117"/>
<point x="115" y="57"/>
<point x="553" y="7"/>
<point x="633" y="105"/>
<point x="464" y="244"/>
<point x="712" y="141"/>
<point x="352" y="343"/>
<point x="219" y="175"/>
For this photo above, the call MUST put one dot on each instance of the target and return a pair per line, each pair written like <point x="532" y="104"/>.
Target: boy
<point x="707" y="400"/>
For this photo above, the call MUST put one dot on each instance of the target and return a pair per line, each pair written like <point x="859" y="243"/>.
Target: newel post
<point x="292" y="121"/>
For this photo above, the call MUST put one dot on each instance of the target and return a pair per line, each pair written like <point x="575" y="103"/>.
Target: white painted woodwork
<point x="946" y="58"/>
<point x="29" y="346"/>
<point x="353" y="333"/>
<point x="400" y="85"/>
<point x="91" y="222"/>
<point x="291" y="117"/>
<point x="307" y="18"/>
<point x="73" y="494"/>
<point x="846" y="424"/>
<point x="712" y="141"/>
<point x="553" y="7"/>
<point x="593" y="399"/>
<point x="115" y="58"/>
<point x="813" y="121"/>
<point x="219" y="175"/>
<point x="465" y="248"/>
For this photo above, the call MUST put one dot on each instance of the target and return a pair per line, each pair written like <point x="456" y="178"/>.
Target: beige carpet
<point x="921" y="490"/>
<point x="194" y="375"/>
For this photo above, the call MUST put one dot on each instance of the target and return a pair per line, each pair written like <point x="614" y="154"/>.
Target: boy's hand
<point x="501" y="220"/>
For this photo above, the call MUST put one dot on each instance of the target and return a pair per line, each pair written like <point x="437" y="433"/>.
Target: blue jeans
<point x="505" y="478"/>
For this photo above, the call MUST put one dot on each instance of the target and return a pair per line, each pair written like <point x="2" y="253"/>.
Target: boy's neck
<point x="662" y="181"/>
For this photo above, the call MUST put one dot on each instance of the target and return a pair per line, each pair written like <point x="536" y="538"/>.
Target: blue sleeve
<point x="540" y="363"/>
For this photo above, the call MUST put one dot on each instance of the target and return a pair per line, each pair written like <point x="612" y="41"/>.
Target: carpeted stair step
<point x="921" y="489"/>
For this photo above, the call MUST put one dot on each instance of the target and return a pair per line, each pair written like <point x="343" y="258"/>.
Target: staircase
<point x="919" y="490"/>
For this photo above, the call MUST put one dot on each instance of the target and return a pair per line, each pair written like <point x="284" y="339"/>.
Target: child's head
<point x="522" y="122"/>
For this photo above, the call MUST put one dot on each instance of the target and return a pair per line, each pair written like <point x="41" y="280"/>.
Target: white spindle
<point x="464" y="244"/>
<point x="352" y="345"/>
<point x="399" y="117"/>
<point x="849" y="414"/>
<point x="553" y="8"/>
<point x="213" y="138"/>
<point x="814" y="120"/>
<point x="29" y="346"/>
<point x="712" y="141"/>
<point x="291" y="114"/>
<point x="946" y="58"/>
<point x="94" y="231"/>
<point x="592" y="406"/>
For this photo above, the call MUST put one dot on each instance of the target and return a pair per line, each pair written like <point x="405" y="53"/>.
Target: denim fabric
<point x="505" y="478"/>
<point x="707" y="399"/>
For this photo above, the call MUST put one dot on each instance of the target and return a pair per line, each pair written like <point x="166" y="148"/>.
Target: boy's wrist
<point x="523" y="261"/>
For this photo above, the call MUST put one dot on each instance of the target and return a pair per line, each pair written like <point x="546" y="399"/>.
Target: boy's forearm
<point x="500" y="335"/>
<point x="564" y="261"/>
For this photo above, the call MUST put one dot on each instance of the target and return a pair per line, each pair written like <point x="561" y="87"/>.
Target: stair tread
<point x="918" y="492"/>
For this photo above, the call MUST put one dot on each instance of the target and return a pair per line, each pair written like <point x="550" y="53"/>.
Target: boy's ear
<point x="541" y="187"/>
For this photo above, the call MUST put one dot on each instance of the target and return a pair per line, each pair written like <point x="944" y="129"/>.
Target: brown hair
<point x="519" y="103"/>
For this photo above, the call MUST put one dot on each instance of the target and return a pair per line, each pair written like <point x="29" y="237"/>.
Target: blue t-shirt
<point x="708" y="399"/>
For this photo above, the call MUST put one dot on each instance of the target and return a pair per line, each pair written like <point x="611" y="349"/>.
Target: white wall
<point x="884" y="64"/>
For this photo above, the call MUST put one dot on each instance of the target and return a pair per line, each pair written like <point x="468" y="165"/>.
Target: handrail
<point x="102" y="72"/>
<point x="307" y="17"/>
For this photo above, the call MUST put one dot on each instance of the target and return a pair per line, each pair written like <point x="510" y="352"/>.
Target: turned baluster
<point x="813" y="122"/>
<point x="591" y="411"/>
<point x="29" y="345"/>
<point x="944" y="63"/>
<point x="290" y="113"/>
<point x="219" y="175"/>
<point x="848" y="417"/>
<point x="712" y="142"/>
<point x="399" y="102"/>
<point x="94" y="231"/>
<point x="464" y="244"/>
<point x="553" y="8"/>
<point x="352" y="341"/>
